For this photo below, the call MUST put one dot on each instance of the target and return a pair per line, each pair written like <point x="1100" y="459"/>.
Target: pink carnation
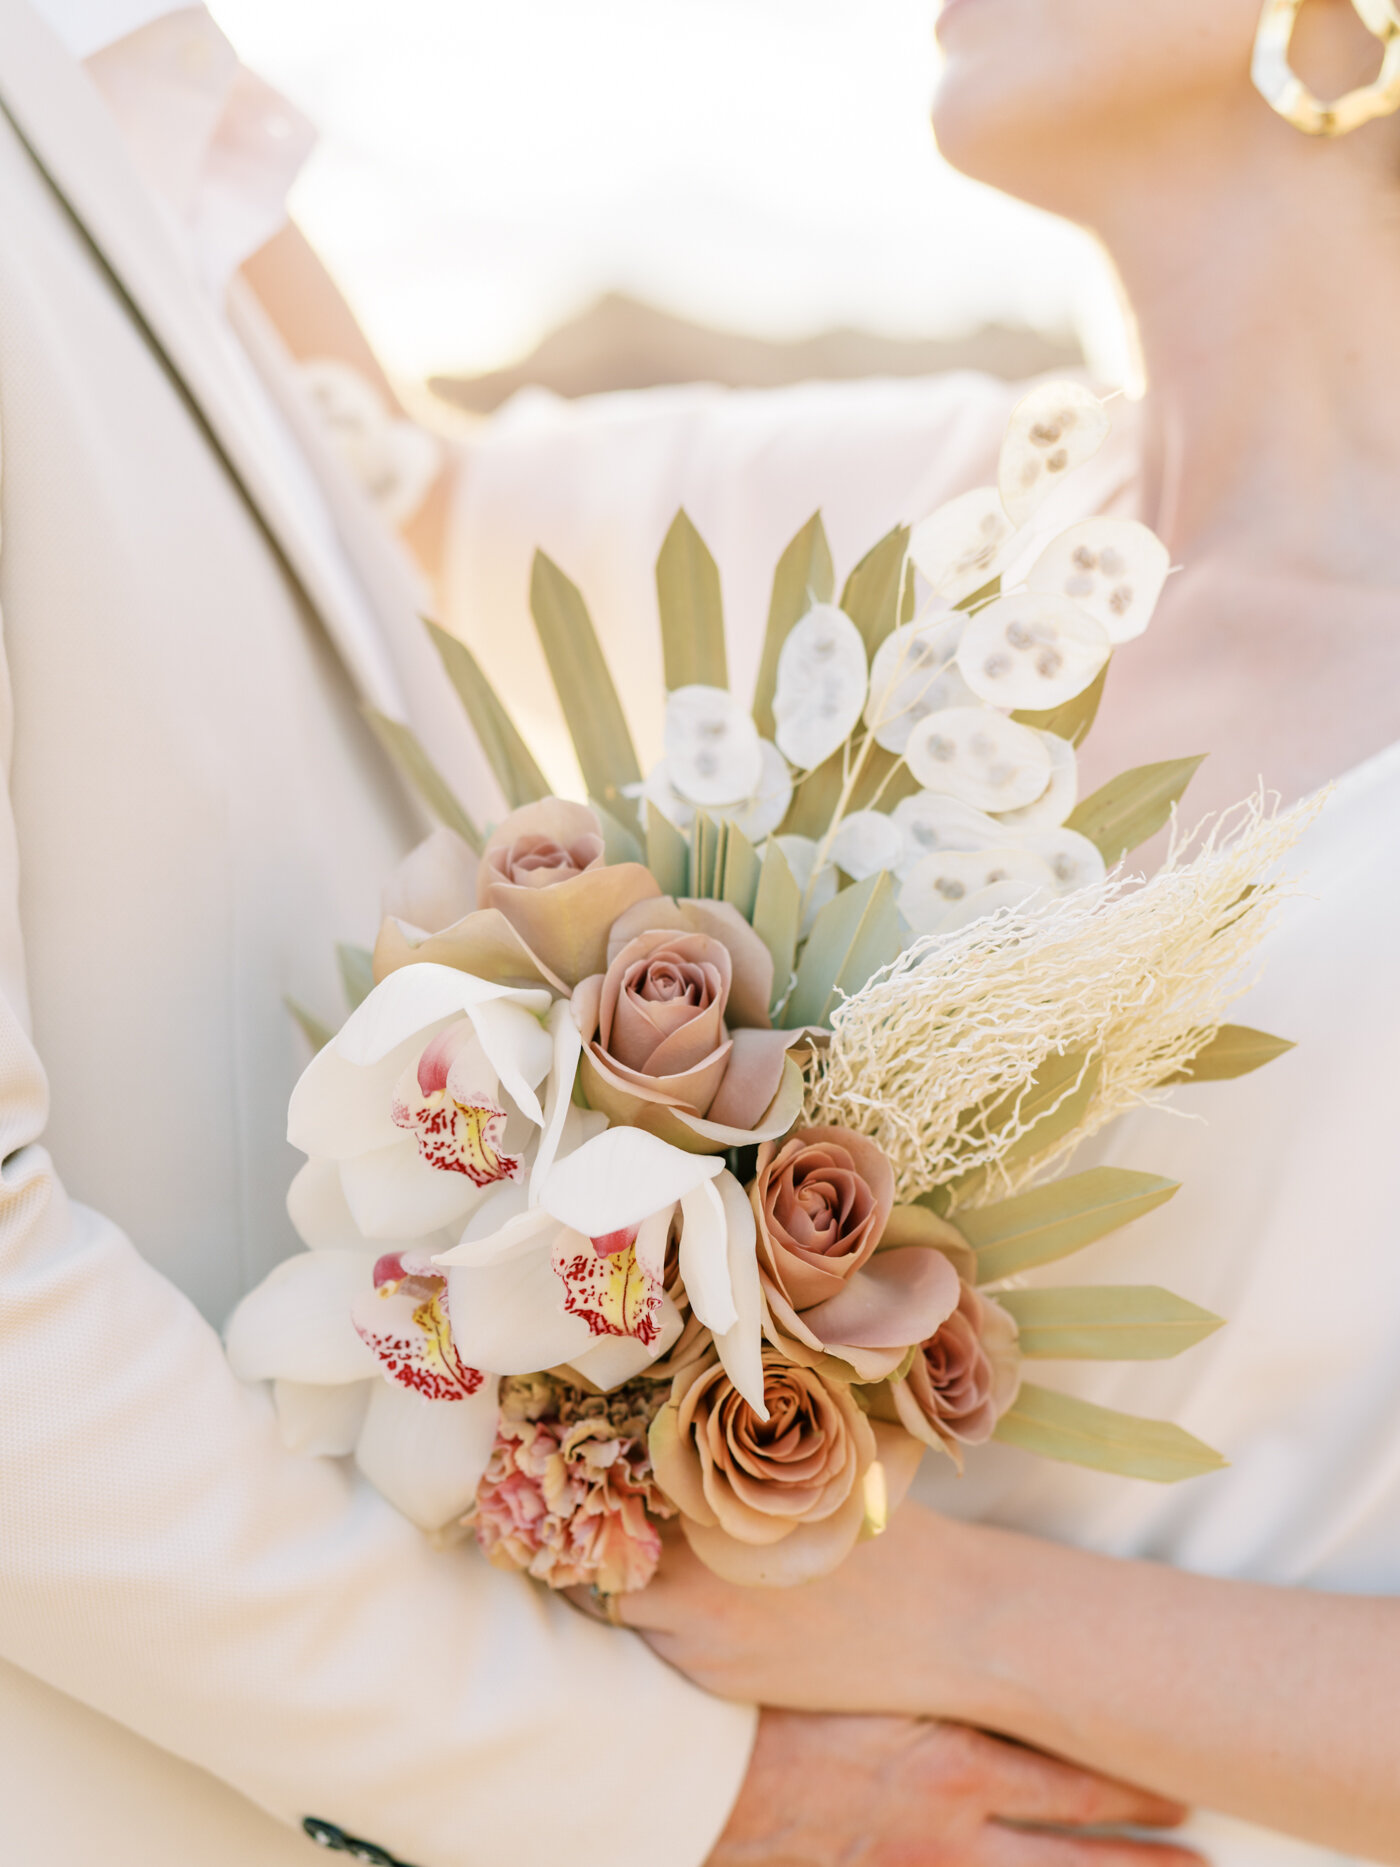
<point x="571" y="1504"/>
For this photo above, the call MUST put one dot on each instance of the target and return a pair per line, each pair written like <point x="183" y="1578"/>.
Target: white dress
<point x="1288" y="1225"/>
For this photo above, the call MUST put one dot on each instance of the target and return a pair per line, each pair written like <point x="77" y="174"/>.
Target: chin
<point x="985" y="123"/>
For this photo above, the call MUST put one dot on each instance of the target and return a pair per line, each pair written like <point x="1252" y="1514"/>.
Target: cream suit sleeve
<point x="193" y="806"/>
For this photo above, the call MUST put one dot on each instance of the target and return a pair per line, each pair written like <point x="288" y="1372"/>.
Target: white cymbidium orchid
<point x="575" y="1275"/>
<point x="353" y="1336"/>
<point x="426" y="1098"/>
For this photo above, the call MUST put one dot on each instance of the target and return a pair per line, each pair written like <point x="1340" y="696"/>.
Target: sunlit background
<point x="489" y="168"/>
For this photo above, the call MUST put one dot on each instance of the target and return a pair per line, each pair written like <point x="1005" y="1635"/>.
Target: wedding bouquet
<point x="685" y="1151"/>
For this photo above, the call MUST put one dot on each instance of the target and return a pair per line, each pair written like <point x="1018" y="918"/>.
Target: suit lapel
<point x="61" y="119"/>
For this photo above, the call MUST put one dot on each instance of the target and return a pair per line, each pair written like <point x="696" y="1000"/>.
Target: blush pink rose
<point x="676" y="1028"/>
<point x="823" y="1199"/>
<point x="963" y="1378"/>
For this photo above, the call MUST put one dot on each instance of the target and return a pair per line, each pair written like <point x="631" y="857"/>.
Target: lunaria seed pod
<point x="1031" y="650"/>
<point x="979" y="756"/>
<point x="1113" y="569"/>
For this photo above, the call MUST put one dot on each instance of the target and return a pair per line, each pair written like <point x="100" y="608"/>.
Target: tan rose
<point x="963" y="1378"/>
<point x="676" y="1030"/>
<point x="546" y="901"/>
<point x="833" y="1282"/>
<point x="775" y="1501"/>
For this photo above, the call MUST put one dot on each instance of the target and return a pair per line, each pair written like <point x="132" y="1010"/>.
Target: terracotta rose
<point x="780" y="1500"/>
<point x="963" y="1378"/>
<point x="676" y="1031"/>
<point x="545" y="901"/>
<point x="833" y="1283"/>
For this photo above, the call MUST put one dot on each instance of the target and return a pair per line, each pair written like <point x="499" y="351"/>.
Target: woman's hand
<point x="887" y="1792"/>
<point x="883" y="1633"/>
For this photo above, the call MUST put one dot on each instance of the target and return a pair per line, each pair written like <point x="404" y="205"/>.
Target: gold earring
<point x="1285" y="92"/>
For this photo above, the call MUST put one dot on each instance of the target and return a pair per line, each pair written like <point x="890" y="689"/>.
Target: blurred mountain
<point x="620" y="343"/>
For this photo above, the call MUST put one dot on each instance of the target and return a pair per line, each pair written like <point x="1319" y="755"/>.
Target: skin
<point x="1265" y="282"/>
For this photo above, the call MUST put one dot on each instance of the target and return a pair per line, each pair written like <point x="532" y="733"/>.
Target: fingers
<point x="1027" y="1786"/>
<point x="1007" y="1847"/>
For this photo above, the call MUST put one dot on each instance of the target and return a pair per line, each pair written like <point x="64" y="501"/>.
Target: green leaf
<point x="668" y="854"/>
<point x="519" y="777"/>
<point x="1073" y="719"/>
<point x="317" y="1034"/>
<point x="979" y="598"/>
<point x="592" y="710"/>
<point x="619" y="844"/>
<point x="872" y="592"/>
<point x="1131" y="1322"/>
<point x="1054" y="1105"/>
<point x="777" y="914"/>
<point x="804" y="576"/>
<point x="1054" y="1221"/>
<point x="400" y="742"/>
<point x="1132" y="807"/>
<point x="1057" y="1426"/>
<point x="738" y="880"/>
<point x="853" y="937"/>
<point x="704" y="855"/>
<point x="1235" y="1050"/>
<point x="692" y="613"/>
<point x="907" y="603"/>
<point x="356" y="972"/>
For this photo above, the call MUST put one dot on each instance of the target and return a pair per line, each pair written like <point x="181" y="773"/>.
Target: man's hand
<point x="889" y="1792"/>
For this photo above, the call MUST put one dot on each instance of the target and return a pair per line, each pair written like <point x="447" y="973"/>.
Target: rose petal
<point x="427" y="1456"/>
<point x="898" y="1298"/>
<point x="752" y="1079"/>
<point x="483" y="944"/>
<point x="808" y="1551"/>
<point x="435" y="884"/>
<point x="296" y="1326"/>
<point x="566" y="925"/>
<point x="552" y="819"/>
<point x="751" y="984"/>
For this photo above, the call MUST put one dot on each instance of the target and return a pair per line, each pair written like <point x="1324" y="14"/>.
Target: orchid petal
<point x="1032" y="650"/>
<point x="427" y="1457"/>
<point x="704" y="1258"/>
<point x="510" y="1316"/>
<point x="405" y="1322"/>
<point x="1053" y="430"/>
<point x="741" y="1346"/>
<point x="416" y="997"/>
<point x="615" y="1292"/>
<point x="980" y="757"/>
<point x="1113" y="568"/>
<point x="321" y="1422"/>
<point x="962" y="546"/>
<point x="619" y="1179"/>
<point x="503" y="1227"/>
<point x="568" y="1047"/>
<point x="615" y="1359"/>
<point x="340" y="1109"/>
<point x="519" y="1048"/>
<point x="821" y="686"/>
<point x="295" y="1326"/>
<point x="394" y="1193"/>
<point x="712" y="747"/>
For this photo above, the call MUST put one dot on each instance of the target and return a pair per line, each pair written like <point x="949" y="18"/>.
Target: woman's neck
<point x="1265" y="279"/>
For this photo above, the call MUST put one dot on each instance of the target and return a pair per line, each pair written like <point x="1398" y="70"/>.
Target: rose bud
<point x="963" y="1378"/>
<point x="546" y="901"/>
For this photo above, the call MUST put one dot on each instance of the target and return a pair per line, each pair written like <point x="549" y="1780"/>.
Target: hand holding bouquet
<point x="686" y="1159"/>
